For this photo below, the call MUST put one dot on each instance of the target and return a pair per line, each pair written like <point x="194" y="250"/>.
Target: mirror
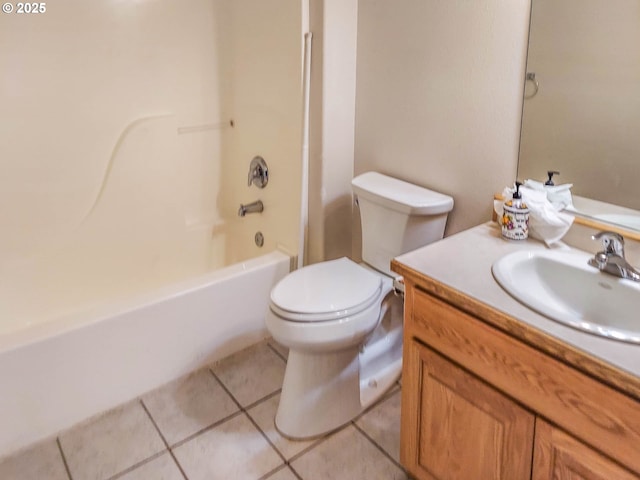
<point x="582" y="103"/>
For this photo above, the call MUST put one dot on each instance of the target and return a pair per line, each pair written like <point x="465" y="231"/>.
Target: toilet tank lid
<point x="400" y="196"/>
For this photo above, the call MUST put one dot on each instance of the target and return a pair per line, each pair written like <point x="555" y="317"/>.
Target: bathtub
<point x="57" y="373"/>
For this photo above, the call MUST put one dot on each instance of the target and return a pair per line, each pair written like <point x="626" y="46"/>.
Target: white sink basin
<point x="563" y="287"/>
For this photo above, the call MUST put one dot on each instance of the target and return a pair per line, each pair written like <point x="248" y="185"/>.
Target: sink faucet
<point x="611" y="260"/>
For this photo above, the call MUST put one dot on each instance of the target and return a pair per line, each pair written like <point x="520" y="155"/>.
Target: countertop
<point x="458" y="269"/>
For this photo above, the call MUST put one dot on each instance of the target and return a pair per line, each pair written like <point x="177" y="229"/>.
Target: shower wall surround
<point x="126" y="133"/>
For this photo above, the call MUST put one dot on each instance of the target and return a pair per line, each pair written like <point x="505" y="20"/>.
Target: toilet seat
<point x="326" y="291"/>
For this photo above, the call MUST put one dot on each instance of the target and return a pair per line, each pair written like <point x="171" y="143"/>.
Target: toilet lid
<point x="326" y="290"/>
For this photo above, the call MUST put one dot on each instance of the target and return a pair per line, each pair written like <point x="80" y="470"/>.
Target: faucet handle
<point x="600" y="260"/>
<point x="258" y="172"/>
<point x="612" y="242"/>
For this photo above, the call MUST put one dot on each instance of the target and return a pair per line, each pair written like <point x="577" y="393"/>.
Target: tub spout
<point x="254" y="207"/>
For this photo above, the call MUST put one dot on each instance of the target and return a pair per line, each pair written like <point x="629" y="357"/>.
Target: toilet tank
<point x="397" y="217"/>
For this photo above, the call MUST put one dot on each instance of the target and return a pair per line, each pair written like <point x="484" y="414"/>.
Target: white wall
<point x="439" y="96"/>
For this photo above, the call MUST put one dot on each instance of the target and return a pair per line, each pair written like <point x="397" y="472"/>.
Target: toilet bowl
<point x="336" y="364"/>
<point x="342" y="320"/>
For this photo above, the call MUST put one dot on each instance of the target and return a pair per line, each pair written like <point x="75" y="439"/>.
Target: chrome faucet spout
<point x="612" y="260"/>
<point x="254" y="207"/>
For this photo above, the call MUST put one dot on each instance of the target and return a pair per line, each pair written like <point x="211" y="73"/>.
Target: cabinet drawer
<point x="601" y="416"/>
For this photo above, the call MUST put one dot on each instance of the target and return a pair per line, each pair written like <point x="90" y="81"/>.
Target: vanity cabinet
<point x="478" y="403"/>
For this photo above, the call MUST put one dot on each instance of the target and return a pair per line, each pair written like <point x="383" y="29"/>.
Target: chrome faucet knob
<point x="600" y="260"/>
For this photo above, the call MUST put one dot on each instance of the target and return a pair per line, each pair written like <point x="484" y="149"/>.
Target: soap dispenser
<point x="550" y="174"/>
<point x="515" y="217"/>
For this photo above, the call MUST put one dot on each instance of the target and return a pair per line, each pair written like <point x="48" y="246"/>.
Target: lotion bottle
<point x="515" y="217"/>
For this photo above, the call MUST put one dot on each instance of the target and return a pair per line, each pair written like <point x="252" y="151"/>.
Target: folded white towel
<point x="558" y="195"/>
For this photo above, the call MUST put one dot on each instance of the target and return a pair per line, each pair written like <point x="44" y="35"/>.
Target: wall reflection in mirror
<point x="584" y="119"/>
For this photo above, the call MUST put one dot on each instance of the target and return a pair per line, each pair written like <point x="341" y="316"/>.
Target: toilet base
<point x="320" y="393"/>
<point x="323" y="391"/>
<point x="380" y="366"/>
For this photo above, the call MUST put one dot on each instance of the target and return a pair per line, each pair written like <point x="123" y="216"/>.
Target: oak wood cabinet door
<point x="456" y="427"/>
<point x="559" y="456"/>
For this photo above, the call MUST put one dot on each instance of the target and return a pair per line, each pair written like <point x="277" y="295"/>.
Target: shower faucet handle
<point x="258" y="172"/>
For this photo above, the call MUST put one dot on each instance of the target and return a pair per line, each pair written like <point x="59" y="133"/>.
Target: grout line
<point x="137" y="465"/>
<point x="255" y="424"/>
<point x="375" y="444"/>
<point x="385" y="398"/>
<point x="246" y="412"/>
<point x="164" y="440"/>
<point x="275" y="350"/>
<point x="64" y="459"/>
<point x="280" y="468"/>
<point x="267" y="397"/>
<point x="263" y="399"/>
<point x="295" y="472"/>
<point x="155" y="425"/>
<point x="251" y="405"/>
<point x="178" y="464"/>
<point x="273" y="472"/>
<point x="224" y="387"/>
<point x="241" y="411"/>
<point x="393" y="390"/>
<point x="307" y="450"/>
<point x="318" y="441"/>
<point x="310" y="447"/>
<point x="205" y="429"/>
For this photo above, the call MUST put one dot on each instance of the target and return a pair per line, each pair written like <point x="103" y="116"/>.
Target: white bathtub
<point x="58" y="373"/>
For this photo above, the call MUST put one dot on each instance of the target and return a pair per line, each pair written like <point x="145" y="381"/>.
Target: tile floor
<point x="216" y="423"/>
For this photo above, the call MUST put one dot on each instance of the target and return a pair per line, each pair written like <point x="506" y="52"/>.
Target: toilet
<point x="342" y="321"/>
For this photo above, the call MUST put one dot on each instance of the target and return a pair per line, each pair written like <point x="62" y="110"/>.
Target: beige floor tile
<point x="38" y="462"/>
<point x="188" y="405"/>
<point x="251" y="374"/>
<point x="382" y="424"/>
<point x="234" y="449"/>
<point x="283" y="474"/>
<point x="160" y="468"/>
<point x="263" y="414"/>
<point x="347" y="455"/>
<point x="111" y="443"/>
